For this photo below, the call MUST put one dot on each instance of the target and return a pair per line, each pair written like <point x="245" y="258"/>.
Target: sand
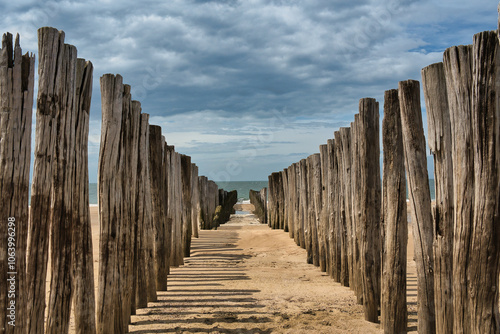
<point x="248" y="278"/>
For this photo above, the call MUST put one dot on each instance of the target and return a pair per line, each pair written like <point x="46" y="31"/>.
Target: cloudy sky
<point x="248" y="87"/>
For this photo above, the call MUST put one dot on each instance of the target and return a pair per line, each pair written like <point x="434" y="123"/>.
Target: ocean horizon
<point x="242" y="187"/>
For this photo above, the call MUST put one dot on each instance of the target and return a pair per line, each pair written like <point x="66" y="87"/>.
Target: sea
<point x="242" y="187"/>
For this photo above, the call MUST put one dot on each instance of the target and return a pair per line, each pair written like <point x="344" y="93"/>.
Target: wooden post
<point x="132" y="111"/>
<point x="356" y="183"/>
<point x="419" y="195"/>
<point x="285" y="195"/>
<point x="332" y="236"/>
<point x="336" y="223"/>
<point x="345" y="137"/>
<point x="439" y="138"/>
<point x="341" y="205"/>
<point x="146" y="278"/>
<point x="177" y="252"/>
<point x="457" y="62"/>
<point x="195" y="200"/>
<point x="156" y="173"/>
<point x="394" y="313"/>
<point x="291" y="200"/>
<point x="263" y="197"/>
<point x="303" y="203"/>
<point x="82" y="261"/>
<point x="317" y="202"/>
<point x="309" y="223"/>
<point x="323" y="225"/>
<point x="484" y="254"/>
<point x="297" y="204"/>
<point x="17" y="74"/>
<point x="187" y="228"/>
<point x="166" y="163"/>
<point x="111" y="164"/>
<point x="59" y="304"/>
<point x="369" y="204"/>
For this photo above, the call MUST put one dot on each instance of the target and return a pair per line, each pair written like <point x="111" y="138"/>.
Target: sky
<point x="248" y="87"/>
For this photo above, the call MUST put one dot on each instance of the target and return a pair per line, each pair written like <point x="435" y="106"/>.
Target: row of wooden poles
<point x="334" y="205"/>
<point x="151" y="199"/>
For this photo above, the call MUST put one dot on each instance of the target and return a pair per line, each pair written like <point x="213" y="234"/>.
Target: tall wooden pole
<point x="457" y="63"/>
<point x="440" y="143"/>
<point x="195" y="200"/>
<point x="394" y="311"/>
<point x="82" y="261"/>
<point x="157" y="173"/>
<point x="419" y="195"/>
<point x="345" y="136"/>
<point x="323" y="250"/>
<point x="369" y="204"/>
<point x="111" y="164"/>
<point x="17" y="74"/>
<point x="187" y="228"/>
<point x="485" y="248"/>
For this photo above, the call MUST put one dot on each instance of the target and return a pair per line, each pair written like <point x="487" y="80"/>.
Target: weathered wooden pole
<point x="393" y="308"/>
<point x="285" y="194"/>
<point x="317" y="202"/>
<point x="202" y="183"/>
<point x="345" y="136"/>
<point x="297" y="204"/>
<point x="17" y="74"/>
<point x="309" y="229"/>
<point x="356" y="184"/>
<point x="157" y="178"/>
<point x="419" y="195"/>
<point x="263" y="197"/>
<point x="325" y="207"/>
<point x="303" y="203"/>
<point x="336" y="223"/>
<point x="332" y="236"/>
<point x="146" y="279"/>
<point x="457" y="62"/>
<point x="132" y="111"/>
<point x="485" y="247"/>
<point x="440" y="143"/>
<point x="82" y="261"/>
<point x="291" y="200"/>
<point x="187" y="228"/>
<point x="110" y="173"/>
<point x="177" y="252"/>
<point x="369" y="204"/>
<point x="195" y="201"/>
<point x="341" y="205"/>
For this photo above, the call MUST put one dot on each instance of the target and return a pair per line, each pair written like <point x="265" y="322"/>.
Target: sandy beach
<point x="248" y="278"/>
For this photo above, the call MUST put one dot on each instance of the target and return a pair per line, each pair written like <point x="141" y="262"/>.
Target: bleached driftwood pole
<point x="82" y="261"/>
<point x="457" y="62"/>
<point x="369" y="204"/>
<point x="394" y="313"/>
<point x="111" y="163"/>
<point x="331" y="235"/>
<point x="485" y="247"/>
<point x="17" y="74"/>
<point x="419" y="195"/>
<point x="309" y="211"/>
<point x="439" y="138"/>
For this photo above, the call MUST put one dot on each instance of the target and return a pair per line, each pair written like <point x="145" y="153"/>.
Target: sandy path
<point x="247" y="278"/>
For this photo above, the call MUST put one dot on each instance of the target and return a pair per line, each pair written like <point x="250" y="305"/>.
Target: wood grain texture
<point x="440" y="143"/>
<point x="419" y="196"/>
<point x="394" y="313"/>
<point x="17" y="73"/>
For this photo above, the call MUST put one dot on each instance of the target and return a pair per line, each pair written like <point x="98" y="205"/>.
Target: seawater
<point x="242" y="187"/>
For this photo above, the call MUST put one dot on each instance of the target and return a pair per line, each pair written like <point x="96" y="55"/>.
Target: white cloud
<point x="212" y="72"/>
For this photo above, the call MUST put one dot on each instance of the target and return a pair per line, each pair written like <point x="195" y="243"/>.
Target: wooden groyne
<point x="333" y="205"/>
<point x="151" y="198"/>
